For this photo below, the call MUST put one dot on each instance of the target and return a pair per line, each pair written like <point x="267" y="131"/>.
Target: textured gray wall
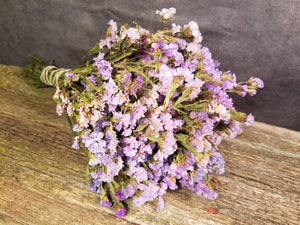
<point x="249" y="37"/>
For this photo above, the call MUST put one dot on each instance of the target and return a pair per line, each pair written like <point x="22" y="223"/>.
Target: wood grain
<point x="42" y="179"/>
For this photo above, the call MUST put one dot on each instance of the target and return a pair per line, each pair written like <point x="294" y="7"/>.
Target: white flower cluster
<point x="166" y="14"/>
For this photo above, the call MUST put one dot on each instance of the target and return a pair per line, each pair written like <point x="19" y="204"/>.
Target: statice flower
<point x="76" y="143"/>
<point x="249" y="120"/>
<point x="194" y="29"/>
<point x="166" y="14"/>
<point x="105" y="203"/>
<point x="149" y="110"/>
<point x="132" y="33"/>
<point x="139" y="110"/>
<point x="110" y="40"/>
<point x="92" y="79"/>
<point x="121" y="212"/>
<point x="176" y="28"/>
<point x="160" y="203"/>
<point x="256" y="80"/>
<point x="70" y="75"/>
<point x="60" y="109"/>
<point x="104" y="67"/>
<point x="216" y="163"/>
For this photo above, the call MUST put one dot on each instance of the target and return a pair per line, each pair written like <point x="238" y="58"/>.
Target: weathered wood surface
<point x="42" y="180"/>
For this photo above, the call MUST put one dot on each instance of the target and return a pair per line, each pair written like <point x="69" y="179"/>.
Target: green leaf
<point x="114" y="120"/>
<point x="203" y="76"/>
<point x="145" y="165"/>
<point x="86" y="99"/>
<point x="135" y="70"/>
<point x="238" y="116"/>
<point x="171" y="90"/>
<point x="187" y="120"/>
<point x="112" y="130"/>
<point x="200" y="107"/>
<point x="179" y="111"/>
<point x="94" y="50"/>
<point x="185" y="95"/>
<point x="153" y="125"/>
<point x="149" y="134"/>
<point x="87" y="170"/>
<point x="141" y="127"/>
<point x="183" y="139"/>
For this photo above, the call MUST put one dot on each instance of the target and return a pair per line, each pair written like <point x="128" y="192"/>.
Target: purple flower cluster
<point x="104" y="67"/>
<point x="150" y="113"/>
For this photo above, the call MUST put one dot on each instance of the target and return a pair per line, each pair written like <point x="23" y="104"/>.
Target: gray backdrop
<point x="249" y="37"/>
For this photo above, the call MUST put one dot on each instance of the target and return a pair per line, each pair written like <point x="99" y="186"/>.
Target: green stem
<point x="162" y="24"/>
<point x="112" y="193"/>
<point x="34" y="70"/>
<point x="71" y="125"/>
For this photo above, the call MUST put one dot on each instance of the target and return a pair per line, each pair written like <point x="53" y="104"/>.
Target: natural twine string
<point x="51" y="75"/>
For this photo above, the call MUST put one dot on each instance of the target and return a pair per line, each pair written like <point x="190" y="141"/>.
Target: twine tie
<point x="51" y="75"/>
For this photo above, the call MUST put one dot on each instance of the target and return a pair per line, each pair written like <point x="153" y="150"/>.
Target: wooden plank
<point x="42" y="179"/>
